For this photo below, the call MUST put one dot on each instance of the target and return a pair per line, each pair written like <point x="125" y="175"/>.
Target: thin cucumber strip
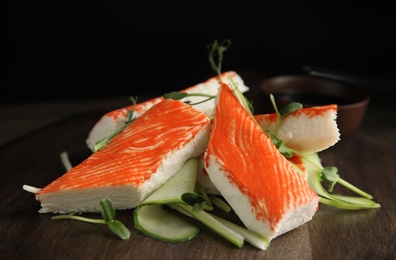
<point x="182" y="182"/>
<point x="158" y="223"/>
<point x="251" y="237"/>
<point x="212" y="223"/>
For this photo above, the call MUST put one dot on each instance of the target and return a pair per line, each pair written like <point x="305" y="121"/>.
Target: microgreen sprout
<point x="108" y="214"/>
<point x="216" y="50"/>
<point x="103" y="142"/>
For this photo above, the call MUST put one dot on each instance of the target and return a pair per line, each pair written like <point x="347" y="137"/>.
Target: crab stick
<point x="135" y="162"/>
<point x="265" y="190"/>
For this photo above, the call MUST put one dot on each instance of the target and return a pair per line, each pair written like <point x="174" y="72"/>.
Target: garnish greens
<point x="108" y="214"/>
<point x="217" y="50"/>
<point x="154" y="217"/>
<point x="102" y="143"/>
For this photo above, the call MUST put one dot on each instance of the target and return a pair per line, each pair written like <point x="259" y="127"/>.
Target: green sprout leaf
<point x="195" y="200"/>
<point x="175" y="95"/>
<point x="119" y="229"/>
<point x="107" y="210"/>
<point x="180" y="95"/>
<point x="291" y="107"/>
<point x="331" y="175"/>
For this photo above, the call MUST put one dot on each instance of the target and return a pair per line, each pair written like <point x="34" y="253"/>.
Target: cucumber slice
<point x="158" y="223"/>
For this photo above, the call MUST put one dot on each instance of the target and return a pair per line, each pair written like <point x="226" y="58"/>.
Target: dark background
<point x="67" y="51"/>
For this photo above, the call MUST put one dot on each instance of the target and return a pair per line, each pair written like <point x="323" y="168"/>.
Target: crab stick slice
<point x="135" y="163"/>
<point x="307" y="130"/>
<point x="264" y="189"/>
<point x="113" y="120"/>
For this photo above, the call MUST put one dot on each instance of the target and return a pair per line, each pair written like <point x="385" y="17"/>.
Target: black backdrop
<point x="64" y="50"/>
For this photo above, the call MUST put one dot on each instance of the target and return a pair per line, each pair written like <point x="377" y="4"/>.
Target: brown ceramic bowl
<point x="311" y="91"/>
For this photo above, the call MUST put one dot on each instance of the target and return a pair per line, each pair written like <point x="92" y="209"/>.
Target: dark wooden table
<point x="33" y="135"/>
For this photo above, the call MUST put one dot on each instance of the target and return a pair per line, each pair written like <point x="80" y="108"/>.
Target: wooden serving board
<point x="364" y="161"/>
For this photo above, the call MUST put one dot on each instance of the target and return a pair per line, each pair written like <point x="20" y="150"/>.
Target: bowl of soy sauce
<point x="312" y="91"/>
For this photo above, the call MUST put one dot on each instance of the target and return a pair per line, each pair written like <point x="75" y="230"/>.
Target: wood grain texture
<point x="33" y="159"/>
